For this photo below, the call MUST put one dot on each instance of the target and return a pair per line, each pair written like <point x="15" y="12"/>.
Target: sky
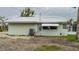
<point x="66" y="12"/>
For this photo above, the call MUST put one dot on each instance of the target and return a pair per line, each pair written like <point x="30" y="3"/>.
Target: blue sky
<point x="66" y="12"/>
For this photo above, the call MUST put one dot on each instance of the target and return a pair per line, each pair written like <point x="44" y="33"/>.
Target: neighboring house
<point x="72" y="26"/>
<point x="37" y="26"/>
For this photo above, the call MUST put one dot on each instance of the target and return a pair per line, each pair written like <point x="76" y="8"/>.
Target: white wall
<point x="20" y="29"/>
<point x="53" y="32"/>
<point x="23" y="29"/>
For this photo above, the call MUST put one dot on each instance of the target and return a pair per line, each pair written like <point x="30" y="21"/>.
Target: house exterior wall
<point x="20" y="29"/>
<point x="53" y="32"/>
<point x="23" y="29"/>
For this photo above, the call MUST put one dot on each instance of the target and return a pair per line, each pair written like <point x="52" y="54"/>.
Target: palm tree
<point x="27" y="12"/>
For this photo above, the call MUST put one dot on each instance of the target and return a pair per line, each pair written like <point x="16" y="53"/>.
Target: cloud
<point x="45" y="11"/>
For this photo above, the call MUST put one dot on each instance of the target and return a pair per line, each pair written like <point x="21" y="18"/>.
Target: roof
<point x="50" y="24"/>
<point x="36" y="20"/>
<point x="23" y="20"/>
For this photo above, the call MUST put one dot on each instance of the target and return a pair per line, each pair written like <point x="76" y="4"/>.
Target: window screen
<point x="45" y="27"/>
<point x="53" y="27"/>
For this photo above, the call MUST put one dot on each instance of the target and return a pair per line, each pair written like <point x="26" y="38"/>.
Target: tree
<point x="2" y="18"/>
<point x="27" y="12"/>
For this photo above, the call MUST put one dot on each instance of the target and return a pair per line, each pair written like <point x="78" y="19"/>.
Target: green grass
<point x="71" y="38"/>
<point x="48" y="48"/>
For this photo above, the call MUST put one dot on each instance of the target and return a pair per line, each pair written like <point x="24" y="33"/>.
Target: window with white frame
<point x="45" y="28"/>
<point x="50" y="26"/>
<point x="53" y="27"/>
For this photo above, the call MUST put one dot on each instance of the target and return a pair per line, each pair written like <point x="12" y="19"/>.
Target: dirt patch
<point x="27" y="43"/>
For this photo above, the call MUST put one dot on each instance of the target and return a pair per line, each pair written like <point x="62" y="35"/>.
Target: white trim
<point x="50" y="24"/>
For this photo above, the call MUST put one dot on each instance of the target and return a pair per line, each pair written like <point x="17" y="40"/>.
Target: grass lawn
<point x="55" y="47"/>
<point x="53" y="43"/>
<point x="48" y="48"/>
<point x="71" y="38"/>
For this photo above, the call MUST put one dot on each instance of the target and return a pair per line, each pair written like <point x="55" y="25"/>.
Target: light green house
<point x="42" y="27"/>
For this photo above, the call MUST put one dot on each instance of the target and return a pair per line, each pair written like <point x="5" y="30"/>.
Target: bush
<point x="0" y="30"/>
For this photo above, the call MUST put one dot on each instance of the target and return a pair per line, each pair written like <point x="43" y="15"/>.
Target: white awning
<point x="50" y="24"/>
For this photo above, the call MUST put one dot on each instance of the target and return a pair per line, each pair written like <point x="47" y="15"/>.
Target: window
<point x="53" y="27"/>
<point x="49" y="27"/>
<point x="74" y="27"/>
<point x="45" y="27"/>
<point x="64" y="26"/>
